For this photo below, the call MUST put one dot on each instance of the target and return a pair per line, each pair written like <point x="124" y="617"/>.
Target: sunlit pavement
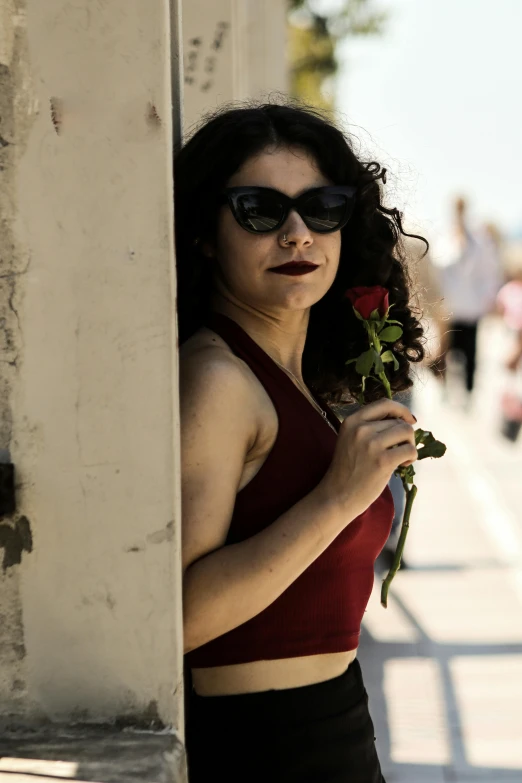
<point x="443" y="664"/>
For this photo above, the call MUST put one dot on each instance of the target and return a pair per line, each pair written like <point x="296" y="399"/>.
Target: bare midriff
<point x="270" y="675"/>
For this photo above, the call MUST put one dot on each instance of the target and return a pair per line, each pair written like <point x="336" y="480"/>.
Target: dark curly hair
<point x="372" y="252"/>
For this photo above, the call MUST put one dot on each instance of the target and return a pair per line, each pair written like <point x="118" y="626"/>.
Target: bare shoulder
<point x="218" y="428"/>
<point x="209" y="370"/>
<point x="203" y="347"/>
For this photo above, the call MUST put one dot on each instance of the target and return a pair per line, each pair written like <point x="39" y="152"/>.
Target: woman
<point x="284" y="509"/>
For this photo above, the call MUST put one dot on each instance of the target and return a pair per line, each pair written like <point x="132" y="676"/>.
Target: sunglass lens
<point x="259" y="212"/>
<point x="326" y="211"/>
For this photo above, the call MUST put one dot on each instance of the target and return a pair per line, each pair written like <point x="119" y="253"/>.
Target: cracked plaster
<point x="15" y="122"/>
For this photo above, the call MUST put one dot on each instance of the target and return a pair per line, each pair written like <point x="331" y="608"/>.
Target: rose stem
<point x="377" y="346"/>
<point x="410" y="493"/>
<point x="385" y="382"/>
<point x="410" y="497"/>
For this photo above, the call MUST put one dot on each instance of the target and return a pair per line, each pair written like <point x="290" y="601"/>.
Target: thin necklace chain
<point x="308" y="395"/>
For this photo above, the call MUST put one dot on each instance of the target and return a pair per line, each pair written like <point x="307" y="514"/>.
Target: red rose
<point x="366" y="299"/>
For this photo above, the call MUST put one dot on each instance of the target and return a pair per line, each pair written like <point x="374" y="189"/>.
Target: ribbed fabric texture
<point x="321" y="611"/>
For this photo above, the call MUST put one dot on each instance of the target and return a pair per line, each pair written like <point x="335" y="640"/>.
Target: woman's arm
<point x="224" y="586"/>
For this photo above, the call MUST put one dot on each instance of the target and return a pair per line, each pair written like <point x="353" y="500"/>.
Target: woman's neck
<point x="282" y="337"/>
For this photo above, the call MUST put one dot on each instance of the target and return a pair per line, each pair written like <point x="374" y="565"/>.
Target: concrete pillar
<point x="233" y="50"/>
<point x="266" y="48"/>
<point x="88" y="349"/>
<point x="13" y="105"/>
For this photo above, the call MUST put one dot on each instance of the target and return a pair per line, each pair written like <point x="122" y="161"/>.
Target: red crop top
<point x="321" y="611"/>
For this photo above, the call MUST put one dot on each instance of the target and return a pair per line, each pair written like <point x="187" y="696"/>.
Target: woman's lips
<point x="294" y="269"/>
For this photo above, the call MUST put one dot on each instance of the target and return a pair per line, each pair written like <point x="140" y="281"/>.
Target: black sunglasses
<point x="260" y="210"/>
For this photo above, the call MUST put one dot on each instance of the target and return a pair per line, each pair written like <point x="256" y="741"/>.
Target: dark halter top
<point x="321" y="611"/>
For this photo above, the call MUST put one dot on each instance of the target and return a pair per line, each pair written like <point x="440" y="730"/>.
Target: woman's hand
<point x="372" y="443"/>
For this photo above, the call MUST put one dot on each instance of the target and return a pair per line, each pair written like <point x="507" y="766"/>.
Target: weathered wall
<point x="15" y="123"/>
<point x="232" y="50"/>
<point x="90" y="620"/>
<point x="89" y="367"/>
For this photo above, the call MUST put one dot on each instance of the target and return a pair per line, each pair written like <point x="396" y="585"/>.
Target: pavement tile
<point x="468" y="607"/>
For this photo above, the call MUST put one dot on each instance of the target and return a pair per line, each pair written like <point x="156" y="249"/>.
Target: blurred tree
<point x="315" y="27"/>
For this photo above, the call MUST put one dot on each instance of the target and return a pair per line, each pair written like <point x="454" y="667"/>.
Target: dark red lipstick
<point x="294" y="268"/>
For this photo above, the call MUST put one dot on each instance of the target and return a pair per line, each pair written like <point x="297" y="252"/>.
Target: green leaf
<point x="391" y="321"/>
<point x="390" y="334"/>
<point x="388" y="356"/>
<point x="421" y="436"/>
<point x="365" y="362"/>
<point x="434" y="449"/>
<point x="358" y="315"/>
<point x="350" y="361"/>
<point x="375" y="315"/>
<point x="429" y="446"/>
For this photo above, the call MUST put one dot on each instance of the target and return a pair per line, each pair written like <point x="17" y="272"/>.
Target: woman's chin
<point x="300" y="300"/>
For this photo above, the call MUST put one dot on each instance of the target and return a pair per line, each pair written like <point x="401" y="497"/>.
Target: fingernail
<point x="414" y="416"/>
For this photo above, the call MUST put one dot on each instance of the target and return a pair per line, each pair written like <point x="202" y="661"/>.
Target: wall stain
<point x="15" y="538"/>
<point x="167" y="534"/>
<point x="100" y="597"/>
<point x="148" y="720"/>
<point x="17" y="686"/>
<point x="153" y="118"/>
<point x="57" y="114"/>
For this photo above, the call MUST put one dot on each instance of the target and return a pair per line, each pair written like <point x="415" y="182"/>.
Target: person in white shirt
<point x="471" y="276"/>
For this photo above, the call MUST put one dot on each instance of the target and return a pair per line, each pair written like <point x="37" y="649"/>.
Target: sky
<point x="438" y="100"/>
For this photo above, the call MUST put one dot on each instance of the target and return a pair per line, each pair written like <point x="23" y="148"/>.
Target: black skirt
<point x="319" y="733"/>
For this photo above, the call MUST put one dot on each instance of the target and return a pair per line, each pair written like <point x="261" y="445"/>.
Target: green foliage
<point x="407" y="475"/>
<point x="430" y="447"/>
<point x="314" y="31"/>
<point x="365" y="362"/>
<point x="388" y="356"/>
<point x="390" y="334"/>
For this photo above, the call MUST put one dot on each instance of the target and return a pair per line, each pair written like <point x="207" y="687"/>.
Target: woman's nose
<point x="296" y="231"/>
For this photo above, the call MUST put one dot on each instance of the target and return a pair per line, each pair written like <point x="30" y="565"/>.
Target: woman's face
<point x="244" y="259"/>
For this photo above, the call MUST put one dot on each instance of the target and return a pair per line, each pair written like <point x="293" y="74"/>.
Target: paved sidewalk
<point x="443" y="664"/>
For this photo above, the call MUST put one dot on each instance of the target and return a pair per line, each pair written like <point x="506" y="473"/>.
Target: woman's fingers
<point x="397" y="434"/>
<point x="404" y="455"/>
<point x="384" y="409"/>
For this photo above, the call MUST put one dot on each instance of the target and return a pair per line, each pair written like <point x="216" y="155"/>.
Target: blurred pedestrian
<point x="471" y="276"/>
<point x="509" y="305"/>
